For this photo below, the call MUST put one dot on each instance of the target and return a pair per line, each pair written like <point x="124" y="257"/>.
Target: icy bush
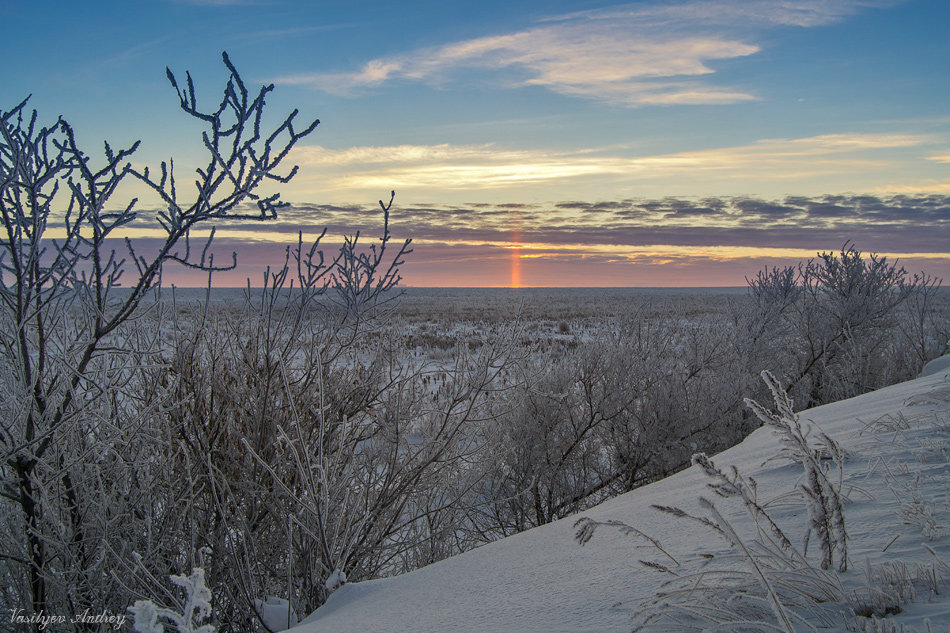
<point x="843" y="324"/>
<point x="186" y="617"/>
<point x="78" y="350"/>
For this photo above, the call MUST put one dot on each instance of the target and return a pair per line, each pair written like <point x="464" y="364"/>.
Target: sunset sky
<point x="540" y="143"/>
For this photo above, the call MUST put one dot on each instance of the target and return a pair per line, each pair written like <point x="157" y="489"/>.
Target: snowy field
<point x="896" y="479"/>
<point x="417" y="445"/>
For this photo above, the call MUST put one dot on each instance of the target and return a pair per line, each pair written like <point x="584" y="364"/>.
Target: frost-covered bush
<point x="843" y="324"/>
<point x="550" y="456"/>
<point x="316" y="448"/>
<point x="626" y="408"/>
<point x="80" y="358"/>
<point x="186" y="617"/>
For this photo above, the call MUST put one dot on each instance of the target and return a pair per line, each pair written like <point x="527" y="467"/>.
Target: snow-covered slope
<point x="542" y="580"/>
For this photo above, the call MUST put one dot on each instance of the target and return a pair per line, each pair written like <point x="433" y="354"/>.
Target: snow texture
<point x="936" y="366"/>
<point x="543" y="581"/>
<point x="276" y="613"/>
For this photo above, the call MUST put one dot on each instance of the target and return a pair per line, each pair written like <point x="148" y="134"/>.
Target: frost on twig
<point x="186" y="618"/>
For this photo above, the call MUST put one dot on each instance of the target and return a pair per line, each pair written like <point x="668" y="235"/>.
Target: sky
<point x="687" y="143"/>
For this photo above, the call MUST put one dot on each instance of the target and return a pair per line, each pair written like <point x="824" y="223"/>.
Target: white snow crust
<point x="936" y="366"/>
<point x="543" y="581"/>
<point x="276" y="613"/>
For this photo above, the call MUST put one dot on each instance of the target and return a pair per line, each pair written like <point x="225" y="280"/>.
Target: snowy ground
<point x="897" y="472"/>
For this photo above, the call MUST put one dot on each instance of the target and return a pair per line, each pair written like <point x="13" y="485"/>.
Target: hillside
<point x="896" y="474"/>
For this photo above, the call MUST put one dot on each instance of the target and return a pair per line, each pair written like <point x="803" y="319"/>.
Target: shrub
<point x="76" y="366"/>
<point x="829" y="324"/>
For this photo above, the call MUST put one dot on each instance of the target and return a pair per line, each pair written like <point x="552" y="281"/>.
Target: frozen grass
<point x="763" y="583"/>
<point x="779" y="589"/>
<point x="821" y="492"/>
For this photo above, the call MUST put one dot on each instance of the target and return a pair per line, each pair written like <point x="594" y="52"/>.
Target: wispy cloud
<point x="930" y="184"/>
<point x="730" y="13"/>
<point x="453" y="167"/>
<point x="630" y="55"/>
<point x="604" y="62"/>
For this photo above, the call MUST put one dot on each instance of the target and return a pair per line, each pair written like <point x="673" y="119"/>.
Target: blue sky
<point x="570" y="143"/>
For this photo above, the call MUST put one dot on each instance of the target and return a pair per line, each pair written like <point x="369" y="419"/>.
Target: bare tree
<point x="65" y="338"/>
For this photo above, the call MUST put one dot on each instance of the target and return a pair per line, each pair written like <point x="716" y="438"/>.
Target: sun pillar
<point x="515" y="247"/>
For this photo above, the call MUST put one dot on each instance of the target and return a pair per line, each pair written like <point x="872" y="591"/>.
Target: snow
<point x="197" y="607"/>
<point x="897" y="472"/>
<point x="936" y="366"/>
<point x="276" y="613"/>
<point x="336" y="580"/>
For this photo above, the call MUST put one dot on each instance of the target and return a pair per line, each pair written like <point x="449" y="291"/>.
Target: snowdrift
<point x="897" y="472"/>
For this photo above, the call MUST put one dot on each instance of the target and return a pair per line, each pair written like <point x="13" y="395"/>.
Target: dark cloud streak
<point x="597" y="233"/>
<point x="910" y="223"/>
